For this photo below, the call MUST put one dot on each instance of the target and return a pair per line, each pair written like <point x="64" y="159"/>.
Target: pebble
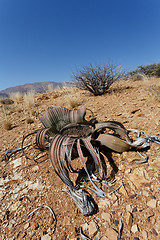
<point x="104" y="238"/>
<point x="17" y="162"/>
<point x="104" y="203"/>
<point x="152" y="203"/>
<point x="15" y="206"/>
<point x="84" y="226"/>
<point x="123" y="191"/>
<point x="92" y="228"/>
<point x="111" y="234"/>
<point x="134" y="228"/>
<point x="106" y="216"/>
<point x="35" y="168"/>
<point x="128" y="208"/>
<point x="144" y="235"/>
<point x="26" y="226"/>
<point x="46" y="237"/>
<point x="129" y="220"/>
<point x="37" y="185"/>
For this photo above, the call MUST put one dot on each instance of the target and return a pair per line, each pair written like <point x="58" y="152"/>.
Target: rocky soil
<point x="26" y="185"/>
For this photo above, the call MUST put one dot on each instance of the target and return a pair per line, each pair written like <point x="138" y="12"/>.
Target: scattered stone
<point x="35" y="168"/>
<point x="134" y="228"/>
<point x="17" y="162"/>
<point x="138" y="177"/>
<point x="129" y="220"/>
<point x="123" y="191"/>
<point x="106" y="216"/>
<point x="92" y="228"/>
<point x="10" y="226"/>
<point x="15" y="206"/>
<point x="104" y="203"/>
<point x="145" y="193"/>
<point x="84" y="226"/>
<point x="128" y="208"/>
<point x="46" y="237"/>
<point x="152" y="203"/>
<point x="66" y="221"/>
<point x="104" y="238"/>
<point x="135" y="110"/>
<point x="26" y="226"/>
<point x="111" y="234"/>
<point x="130" y="157"/>
<point x="37" y="185"/>
<point x="144" y="235"/>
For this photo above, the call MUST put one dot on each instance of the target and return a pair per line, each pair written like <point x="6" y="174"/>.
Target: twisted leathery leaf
<point x="83" y="200"/>
<point x="117" y="127"/>
<point x="40" y="139"/>
<point x="95" y="155"/>
<point x="57" y="158"/>
<point x="97" y="190"/>
<point x="57" y="117"/>
<point x="114" y="143"/>
<point x="69" y="143"/>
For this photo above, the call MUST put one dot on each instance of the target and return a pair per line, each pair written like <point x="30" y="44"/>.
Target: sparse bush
<point x="147" y="70"/>
<point x="97" y="79"/>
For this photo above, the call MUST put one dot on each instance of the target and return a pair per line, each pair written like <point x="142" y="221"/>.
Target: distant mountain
<point x="38" y="87"/>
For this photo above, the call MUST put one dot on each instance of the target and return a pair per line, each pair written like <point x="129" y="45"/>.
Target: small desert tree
<point x="97" y="79"/>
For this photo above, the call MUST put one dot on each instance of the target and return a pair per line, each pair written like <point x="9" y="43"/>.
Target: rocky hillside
<point x="38" y="87"/>
<point x="26" y="185"/>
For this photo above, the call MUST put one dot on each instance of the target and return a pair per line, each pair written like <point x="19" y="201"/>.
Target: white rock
<point x="26" y="226"/>
<point x="128" y="208"/>
<point x="85" y="226"/>
<point x="134" y="228"/>
<point x="37" y="185"/>
<point x="35" y="168"/>
<point x="46" y="237"/>
<point x="17" y="162"/>
<point x="152" y="203"/>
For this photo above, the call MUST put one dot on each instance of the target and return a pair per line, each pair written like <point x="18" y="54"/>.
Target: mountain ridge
<point x="38" y="87"/>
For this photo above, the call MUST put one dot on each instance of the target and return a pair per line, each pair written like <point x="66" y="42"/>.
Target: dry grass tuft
<point x="70" y="98"/>
<point x="74" y="102"/>
<point x="154" y="93"/>
<point x="29" y="99"/>
<point x="6" y="101"/>
<point x="29" y="120"/>
<point x="16" y="96"/>
<point x="7" y="125"/>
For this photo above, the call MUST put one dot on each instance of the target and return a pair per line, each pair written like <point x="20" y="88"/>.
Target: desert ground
<point x="26" y="185"/>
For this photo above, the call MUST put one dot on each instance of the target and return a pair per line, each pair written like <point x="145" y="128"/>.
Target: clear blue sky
<point x="46" y="40"/>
